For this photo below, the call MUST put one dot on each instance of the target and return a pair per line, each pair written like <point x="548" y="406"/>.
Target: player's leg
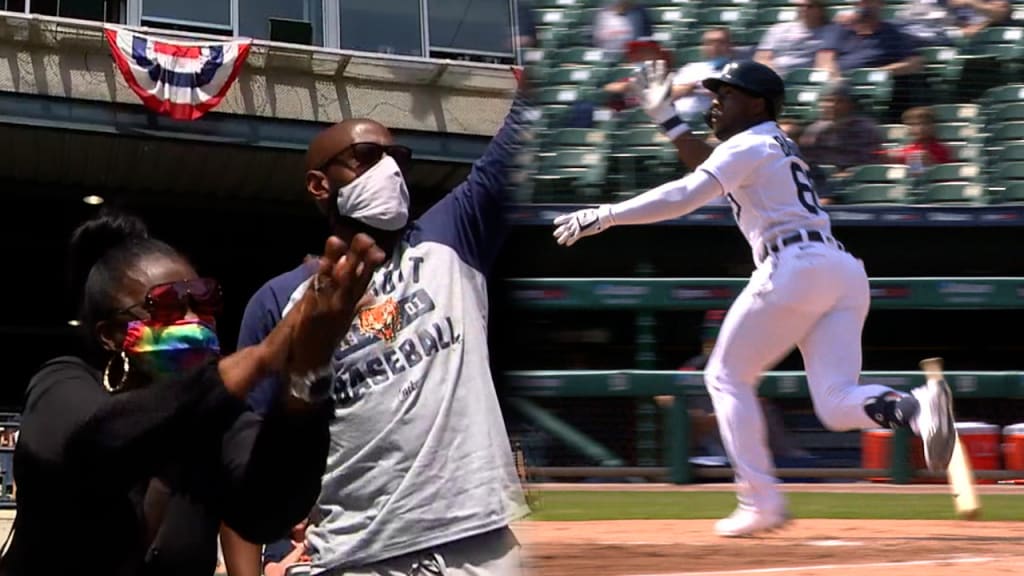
<point x="761" y="327"/>
<point x="832" y="359"/>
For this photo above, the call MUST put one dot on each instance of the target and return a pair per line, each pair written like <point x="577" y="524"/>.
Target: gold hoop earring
<point x="124" y="374"/>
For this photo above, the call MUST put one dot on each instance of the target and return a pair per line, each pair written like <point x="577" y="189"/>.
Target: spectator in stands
<point x="843" y="136"/>
<point x="925" y="149"/>
<point x="925" y="21"/>
<point x="866" y="41"/>
<point x="973" y="16"/>
<point x="619" y="22"/>
<point x="790" y="45"/>
<point x="135" y="452"/>
<point x="692" y="99"/>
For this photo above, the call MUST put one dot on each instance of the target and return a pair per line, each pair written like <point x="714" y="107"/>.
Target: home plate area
<point x="809" y="547"/>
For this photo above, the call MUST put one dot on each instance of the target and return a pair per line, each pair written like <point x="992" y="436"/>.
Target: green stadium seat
<point x="952" y="172"/>
<point x="966" y="151"/>
<point x="999" y="95"/>
<point x="775" y="14"/>
<point x="1009" y="153"/>
<point x="875" y="194"/>
<point x="641" y="137"/>
<point x="1009" y="172"/>
<point x="673" y="36"/>
<point x="958" y="192"/>
<point x="581" y="76"/>
<point x="942" y="71"/>
<point x="893" y="134"/>
<point x="878" y="174"/>
<point x="874" y="87"/>
<point x="1012" y="112"/>
<point x="806" y="77"/>
<point x="559" y="95"/>
<point x="570" y="175"/>
<point x="558" y="4"/>
<point x="801" y="103"/>
<point x="956" y="113"/>
<point x="1011" y="131"/>
<point x="582" y="56"/>
<point x="732" y="17"/>
<point x="560" y="17"/>
<point x="581" y="137"/>
<point x="955" y="131"/>
<point x="674" y="15"/>
<point x="632" y="118"/>
<point x="989" y="58"/>
<point x="1013" y="192"/>
<point x="687" y="54"/>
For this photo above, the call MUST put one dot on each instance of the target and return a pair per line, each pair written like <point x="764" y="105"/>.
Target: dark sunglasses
<point x="367" y="154"/>
<point x="169" y="302"/>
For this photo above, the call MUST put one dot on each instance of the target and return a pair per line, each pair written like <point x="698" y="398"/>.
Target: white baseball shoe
<point x="935" y="423"/>
<point x="746" y="521"/>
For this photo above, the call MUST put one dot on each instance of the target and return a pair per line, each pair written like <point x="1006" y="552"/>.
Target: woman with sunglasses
<point x="132" y="455"/>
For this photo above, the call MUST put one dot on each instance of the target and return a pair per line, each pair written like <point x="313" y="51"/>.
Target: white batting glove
<point x="652" y="85"/>
<point x="581" y="223"/>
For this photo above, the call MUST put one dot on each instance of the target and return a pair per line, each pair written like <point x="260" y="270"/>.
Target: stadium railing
<point x="646" y="296"/>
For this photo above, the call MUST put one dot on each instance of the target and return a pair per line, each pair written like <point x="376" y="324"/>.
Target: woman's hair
<point x="101" y="251"/>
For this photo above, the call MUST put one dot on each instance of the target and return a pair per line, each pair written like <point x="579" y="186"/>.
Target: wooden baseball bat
<point x="962" y="484"/>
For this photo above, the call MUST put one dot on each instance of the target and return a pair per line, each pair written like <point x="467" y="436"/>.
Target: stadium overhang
<point x="68" y="119"/>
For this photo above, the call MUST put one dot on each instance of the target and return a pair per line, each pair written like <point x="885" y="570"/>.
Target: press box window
<point x="98" y="10"/>
<point x="479" y="30"/>
<point x="202" y="16"/>
<point x="385" y="26"/>
<point x="292" y="21"/>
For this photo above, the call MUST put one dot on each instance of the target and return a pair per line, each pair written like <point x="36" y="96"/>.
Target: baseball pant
<point x="810" y="295"/>
<point x="495" y="553"/>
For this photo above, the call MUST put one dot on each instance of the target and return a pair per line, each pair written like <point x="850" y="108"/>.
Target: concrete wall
<point x="71" y="59"/>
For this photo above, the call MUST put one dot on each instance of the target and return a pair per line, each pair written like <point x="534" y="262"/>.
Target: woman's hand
<point x="335" y="294"/>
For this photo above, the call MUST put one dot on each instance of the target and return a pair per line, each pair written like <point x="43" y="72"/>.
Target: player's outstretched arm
<point x="654" y="86"/>
<point x="668" y="201"/>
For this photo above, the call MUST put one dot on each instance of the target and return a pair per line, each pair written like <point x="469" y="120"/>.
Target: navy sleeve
<point x="645" y="23"/>
<point x="262" y="313"/>
<point x="834" y="39"/>
<point x="471" y="219"/>
<point x="903" y="43"/>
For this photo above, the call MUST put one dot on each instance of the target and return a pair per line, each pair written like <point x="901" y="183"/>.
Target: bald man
<point x="420" y="474"/>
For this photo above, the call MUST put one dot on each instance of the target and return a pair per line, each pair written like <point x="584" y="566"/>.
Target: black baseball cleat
<point x="935" y="423"/>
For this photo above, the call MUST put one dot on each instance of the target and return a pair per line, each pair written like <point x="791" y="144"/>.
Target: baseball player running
<point x="806" y="291"/>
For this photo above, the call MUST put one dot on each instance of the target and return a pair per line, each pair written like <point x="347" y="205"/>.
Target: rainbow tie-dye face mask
<point x="162" y="350"/>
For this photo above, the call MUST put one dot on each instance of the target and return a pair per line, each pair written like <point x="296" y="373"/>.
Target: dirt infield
<point x="806" y="547"/>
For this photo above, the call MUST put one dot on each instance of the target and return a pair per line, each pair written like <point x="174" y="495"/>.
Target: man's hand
<point x="587" y="222"/>
<point x="335" y="294"/>
<point x="653" y="87"/>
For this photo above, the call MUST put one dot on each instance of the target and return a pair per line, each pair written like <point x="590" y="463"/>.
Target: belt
<point x="801" y="236"/>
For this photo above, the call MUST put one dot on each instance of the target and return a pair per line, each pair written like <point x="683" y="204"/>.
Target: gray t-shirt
<point x="793" y="45"/>
<point x="419" y="454"/>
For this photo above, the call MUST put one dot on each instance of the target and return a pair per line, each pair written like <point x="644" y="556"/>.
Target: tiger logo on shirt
<point x="382" y="320"/>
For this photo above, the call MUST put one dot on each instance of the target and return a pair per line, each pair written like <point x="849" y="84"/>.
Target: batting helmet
<point x="752" y="77"/>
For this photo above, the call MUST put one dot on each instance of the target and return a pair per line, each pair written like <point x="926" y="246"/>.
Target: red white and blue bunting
<point x="183" y="80"/>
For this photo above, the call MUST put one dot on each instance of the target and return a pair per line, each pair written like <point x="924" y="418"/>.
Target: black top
<point x="138" y="482"/>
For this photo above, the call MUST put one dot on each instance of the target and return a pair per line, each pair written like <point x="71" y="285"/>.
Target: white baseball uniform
<point x="806" y="291"/>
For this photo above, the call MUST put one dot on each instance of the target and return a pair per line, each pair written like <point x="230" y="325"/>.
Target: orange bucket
<point x="1013" y="446"/>
<point x="874" y="451"/>
<point x="981" y="442"/>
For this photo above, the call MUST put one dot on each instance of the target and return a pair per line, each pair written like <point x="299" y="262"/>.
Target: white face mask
<point x="377" y="198"/>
